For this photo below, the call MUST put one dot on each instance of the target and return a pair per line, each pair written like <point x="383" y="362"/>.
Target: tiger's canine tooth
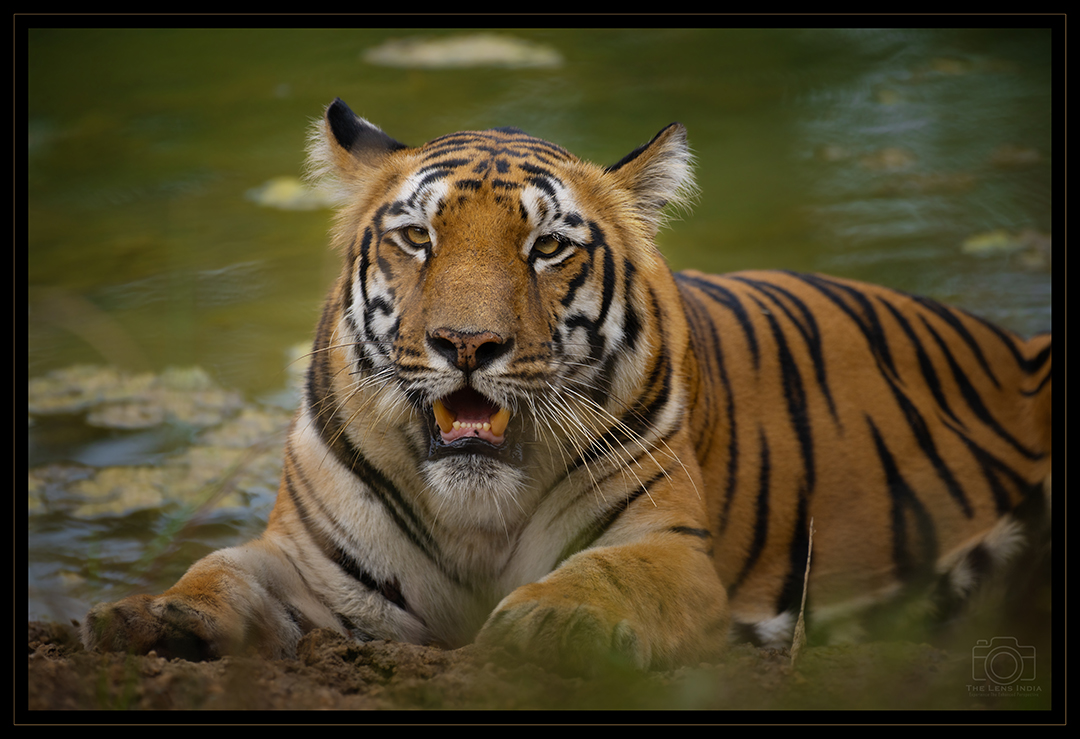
<point x="499" y="421"/>
<point x="443" y="417"/>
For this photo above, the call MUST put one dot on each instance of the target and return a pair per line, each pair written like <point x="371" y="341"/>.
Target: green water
<point x="870" y="154"/>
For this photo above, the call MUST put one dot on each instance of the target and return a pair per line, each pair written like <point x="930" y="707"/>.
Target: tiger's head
<point x="502" y="302"/>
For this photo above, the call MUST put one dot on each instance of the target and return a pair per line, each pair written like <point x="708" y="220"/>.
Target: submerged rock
<point x="472" y="50"/>
<point x="144" y="440"/>
<point x="115" y="399"/>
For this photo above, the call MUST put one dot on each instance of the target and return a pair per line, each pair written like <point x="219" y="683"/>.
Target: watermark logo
<point x="1002" y="666"/>
<point x="1002" y="660"/>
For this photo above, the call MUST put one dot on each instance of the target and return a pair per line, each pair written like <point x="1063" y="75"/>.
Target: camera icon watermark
<point x="1002" y="661"/>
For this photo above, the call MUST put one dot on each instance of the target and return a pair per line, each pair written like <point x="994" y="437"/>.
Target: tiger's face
<point x="480" y="294"/>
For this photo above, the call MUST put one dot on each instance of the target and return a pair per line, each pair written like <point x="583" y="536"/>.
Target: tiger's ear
<point x="344" y="145"/>
<point x="658" y="173"/>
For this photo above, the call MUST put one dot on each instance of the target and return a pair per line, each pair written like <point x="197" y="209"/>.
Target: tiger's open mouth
<point x="467" y="422"/>
<point x="467" y="413"/>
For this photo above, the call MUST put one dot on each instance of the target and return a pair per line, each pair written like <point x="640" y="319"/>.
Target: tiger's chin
<point x="478" y="489"/>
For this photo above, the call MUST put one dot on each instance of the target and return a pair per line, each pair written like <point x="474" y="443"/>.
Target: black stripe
<point x="597" y="340"/>
<point x="790" y="596"/>
<point x="542" y="183"/>
<point x="404" y="516"/>
<point x="612" y="574"/>
<point x="761" y="521"/>
<point x="930" y="377"/>
<point x="948" y="315"/>
<point x="1036" y="363"/>
<point x="360" y="271"/>
<point x="914" y="547"/>
<point x="707" y="343"/>
<point x="333" y="551"/>
<point x="701" y="397"/>
<point x="602" y="523"/>
<point x="573" y="285"/>
<point x="631" y="322"/>
<point x="974" y="400"/>
<point x="635" y="421"/>
<point x="689" y="531"/>
<point x="372" y="343"/>
<point x="868" y="322"/>
<point x="807" y="328"/>
<point x="995" y="471"/>
<point x="598" y="241"/>
<point x="319" y="372"/>
<point x="729" y="300"/>
<point x="444" y="164"/>
<point x="926" y="442"/>
<point x="795" y="395"/>
<point x="433" y="176"/>
<point x="1043" y="382"/>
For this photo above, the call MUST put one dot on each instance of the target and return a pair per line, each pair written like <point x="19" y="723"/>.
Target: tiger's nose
<point x="466" y="350"/>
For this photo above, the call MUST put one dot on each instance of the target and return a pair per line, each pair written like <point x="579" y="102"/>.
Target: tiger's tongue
<point x="468" y="413"/>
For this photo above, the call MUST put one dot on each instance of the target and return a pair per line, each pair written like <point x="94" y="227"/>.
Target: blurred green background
<point x="915" y="158"/>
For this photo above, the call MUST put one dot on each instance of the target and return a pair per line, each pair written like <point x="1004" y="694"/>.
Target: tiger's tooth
<point x="499" y="421"/>
<point x="443" y="417"/>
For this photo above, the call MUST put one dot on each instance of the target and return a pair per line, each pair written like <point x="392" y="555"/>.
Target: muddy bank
<point x="333" y="673"/>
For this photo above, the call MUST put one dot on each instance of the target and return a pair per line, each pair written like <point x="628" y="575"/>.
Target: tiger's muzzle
<point x="466" y="421"/>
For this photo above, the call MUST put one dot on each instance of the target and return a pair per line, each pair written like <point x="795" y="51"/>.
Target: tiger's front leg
<point x="243" y="600"/>
<point x="648" y="604"/>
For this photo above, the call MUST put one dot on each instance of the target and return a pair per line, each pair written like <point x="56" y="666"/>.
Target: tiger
<point x="520" y="429"/>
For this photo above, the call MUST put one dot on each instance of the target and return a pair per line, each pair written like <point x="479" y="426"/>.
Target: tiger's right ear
<point x="344" y="144"/>
<point x="355" y="136"/>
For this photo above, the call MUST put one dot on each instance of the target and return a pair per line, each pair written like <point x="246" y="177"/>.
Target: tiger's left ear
<point x="658" y="173"/>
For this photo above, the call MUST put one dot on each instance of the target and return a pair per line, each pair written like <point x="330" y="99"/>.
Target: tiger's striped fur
<point x="916" y="435"/>
<point x="519" y="424"/>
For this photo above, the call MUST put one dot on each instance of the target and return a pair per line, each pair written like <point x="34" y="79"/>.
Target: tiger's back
<point x="915" y="435"/>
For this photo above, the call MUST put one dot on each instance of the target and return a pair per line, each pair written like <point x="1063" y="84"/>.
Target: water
<point x="916" y="158"/>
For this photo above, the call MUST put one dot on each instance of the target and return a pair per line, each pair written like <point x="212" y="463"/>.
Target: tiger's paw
<point x="566" y="636"/>
<point x="143" y="623"/>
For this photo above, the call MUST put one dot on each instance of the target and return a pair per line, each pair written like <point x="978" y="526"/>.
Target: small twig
<point x="799" y="639"/>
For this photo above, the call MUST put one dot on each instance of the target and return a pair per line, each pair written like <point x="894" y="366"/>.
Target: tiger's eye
<point x="417" y="236"/>
<point x="547" y="245"/>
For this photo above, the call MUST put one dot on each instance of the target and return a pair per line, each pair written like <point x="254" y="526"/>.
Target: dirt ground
<point x="331" y="672"/>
